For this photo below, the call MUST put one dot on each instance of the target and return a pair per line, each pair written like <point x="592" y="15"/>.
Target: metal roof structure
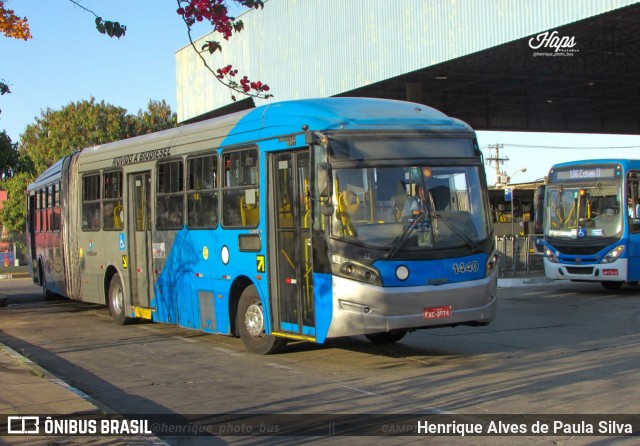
<point x="486" y="62"/>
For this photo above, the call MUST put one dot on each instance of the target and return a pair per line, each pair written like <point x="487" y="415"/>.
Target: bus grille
<point x="580" y="250"/>
<point x="579" y="270"/>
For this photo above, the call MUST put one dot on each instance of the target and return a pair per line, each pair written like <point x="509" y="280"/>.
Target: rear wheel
<point x="388" y="337"/>
<point x="609" y="285"/>
<point x="251" y="325"/>
<point x="48" y="295"/>
<point x="117" y="302"/>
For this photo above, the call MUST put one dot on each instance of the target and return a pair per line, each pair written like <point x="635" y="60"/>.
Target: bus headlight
<point x="492" y="264"/>
<point x="550" y="255"/>
<point x="344" y="267"/>
<point x="613" y="255"/>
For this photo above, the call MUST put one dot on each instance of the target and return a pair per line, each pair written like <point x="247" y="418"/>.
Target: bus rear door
<point x="138" y="263"/>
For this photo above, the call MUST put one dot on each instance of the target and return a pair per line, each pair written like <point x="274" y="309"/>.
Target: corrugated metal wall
<point x="319" y="48"/>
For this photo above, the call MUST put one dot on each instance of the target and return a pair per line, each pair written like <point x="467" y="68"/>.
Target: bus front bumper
<point x="596" y="272"/>
<point x="359" y="308"/>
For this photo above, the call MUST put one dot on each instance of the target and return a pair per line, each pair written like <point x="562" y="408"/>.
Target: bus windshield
<point x="583" y="212"/>
<point x="411" y="207"/>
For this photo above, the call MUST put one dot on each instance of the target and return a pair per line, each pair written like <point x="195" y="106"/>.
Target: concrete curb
<point x="99" y="408"/>
<point x="14" y="276"/>
<point x="42" y="373"/>
<point x="512" y="282"/>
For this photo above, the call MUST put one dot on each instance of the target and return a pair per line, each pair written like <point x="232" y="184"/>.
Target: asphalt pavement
<point x="29" y="389"/>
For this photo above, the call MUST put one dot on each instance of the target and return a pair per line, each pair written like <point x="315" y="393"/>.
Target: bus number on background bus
<point x="469" y="267"/>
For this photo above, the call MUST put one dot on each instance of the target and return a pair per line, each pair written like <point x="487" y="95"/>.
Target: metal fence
<point x="519" y="255"/>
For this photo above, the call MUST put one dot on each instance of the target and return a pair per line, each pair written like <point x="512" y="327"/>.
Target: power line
<point x="528" y="146"/>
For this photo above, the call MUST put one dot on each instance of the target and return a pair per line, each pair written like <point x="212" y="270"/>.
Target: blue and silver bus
<point x="297" y="220"/>
<point x="592" y="222"/>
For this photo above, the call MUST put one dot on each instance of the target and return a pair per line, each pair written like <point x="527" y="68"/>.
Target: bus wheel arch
<point x="237" y="288"/>
<point x="37" y="272"/>
<point x="40" y="272"/>
<point x="48" y="295"/>
<point x="108" y="275"/>
<point x="250" y="322"/>
<point x="117" y="301"/>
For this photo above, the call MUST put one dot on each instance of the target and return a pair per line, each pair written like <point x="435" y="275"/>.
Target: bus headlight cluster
<point x="613" y="255"/>
<point x="351" y="269"/>
<point x="492" y="263"/>
<point x="550" y="255"/>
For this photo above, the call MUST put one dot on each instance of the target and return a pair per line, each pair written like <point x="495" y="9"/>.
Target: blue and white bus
<point x="289" y="221"/>
<point x="592" y="222"/>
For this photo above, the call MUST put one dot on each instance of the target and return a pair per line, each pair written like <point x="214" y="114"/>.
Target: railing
<point x="518" y="255"/>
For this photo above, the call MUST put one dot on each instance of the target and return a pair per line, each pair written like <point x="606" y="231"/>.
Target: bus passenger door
<point x="290" y="257"/>
<point x="139" y="225"/>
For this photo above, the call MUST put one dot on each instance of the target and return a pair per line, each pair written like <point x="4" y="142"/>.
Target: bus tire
<point x="48" y="295"/>
<point x="610" y="285"/>
<point x="251" y="322"/>
<point x="116" y="301"/>
<point x="387" y="337"/>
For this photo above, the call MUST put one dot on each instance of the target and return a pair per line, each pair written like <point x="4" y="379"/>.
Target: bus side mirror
<point x="323" y="180"/>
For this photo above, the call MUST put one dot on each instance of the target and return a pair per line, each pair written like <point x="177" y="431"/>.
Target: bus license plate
<point x="437" y="312"/>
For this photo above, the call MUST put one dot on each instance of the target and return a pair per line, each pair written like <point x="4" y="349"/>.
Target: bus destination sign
<point x="141" y="157"/>
<point x="586" y="173"/>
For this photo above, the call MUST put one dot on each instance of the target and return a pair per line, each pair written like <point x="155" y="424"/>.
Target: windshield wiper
<point x="402" y="238"/>
<point x="469" y="241"/>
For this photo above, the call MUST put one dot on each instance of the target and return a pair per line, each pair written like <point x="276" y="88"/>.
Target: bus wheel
<point x="388" y="337"/>
<point x="250" y="323"/>
<point x="116" y="301"/>
<point x="610" y="285"/>
<point x="48" y="295"/>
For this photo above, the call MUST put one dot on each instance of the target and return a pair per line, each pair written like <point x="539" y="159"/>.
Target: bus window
<point x="55" y="204"/>
<point x="38" y="225"/>
<point x="47" y="209"/>
<point x="202" y="192"/>
<point x="112" y="211"/>
<point x="240" y="193"/>
<point x="169" y="195"/>
<point x="91" y="202"/>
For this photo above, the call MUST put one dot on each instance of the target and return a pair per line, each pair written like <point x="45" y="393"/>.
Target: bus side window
<point x="202" y="192"/>
<point x="112" y="211"/>
<point x="241" y="204"/>
<point x="91" y="202"/>
<point x="169" y="195"/>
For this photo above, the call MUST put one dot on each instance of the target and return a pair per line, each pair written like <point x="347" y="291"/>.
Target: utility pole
<point x="498" y="161"/>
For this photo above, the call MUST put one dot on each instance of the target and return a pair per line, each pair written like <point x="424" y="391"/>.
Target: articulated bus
<point x="591" y="223"/>
<point x="285" y="222"/>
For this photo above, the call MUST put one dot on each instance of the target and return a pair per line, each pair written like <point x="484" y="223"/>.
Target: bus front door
<point x="139" y="225"/>
<point x="290" y="256"/>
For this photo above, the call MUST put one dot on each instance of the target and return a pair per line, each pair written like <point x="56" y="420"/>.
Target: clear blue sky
<point x="68" y="60"/>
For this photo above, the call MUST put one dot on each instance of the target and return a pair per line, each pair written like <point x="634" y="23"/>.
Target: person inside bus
<point x="415" y="204"/>
<point x="633" y="210"/>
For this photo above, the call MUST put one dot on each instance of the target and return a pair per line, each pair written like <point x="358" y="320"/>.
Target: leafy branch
<point x="216" y="13"/>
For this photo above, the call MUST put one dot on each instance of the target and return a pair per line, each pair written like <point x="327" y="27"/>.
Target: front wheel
<point x="251" y="325"/>
<point x="388" y="337"/>
<point x="609" y="285"/>
<point x="117" y="302"/>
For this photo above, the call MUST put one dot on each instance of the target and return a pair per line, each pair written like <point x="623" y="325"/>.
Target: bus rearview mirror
<point x="323" y="180"/>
